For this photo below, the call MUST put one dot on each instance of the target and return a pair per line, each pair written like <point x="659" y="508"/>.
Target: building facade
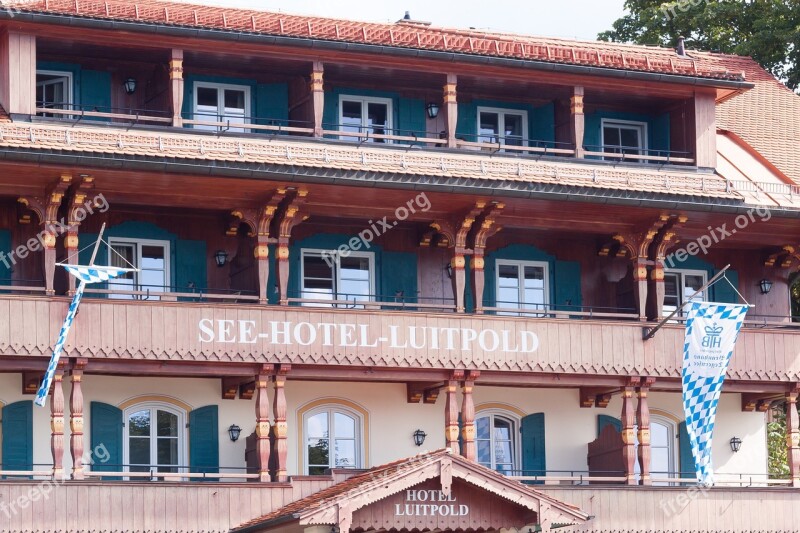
<point x="357" y="246"/>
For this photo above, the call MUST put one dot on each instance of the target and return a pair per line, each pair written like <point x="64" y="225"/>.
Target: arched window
<point x="497" y="440"/>
<point x="333" y="437"/>
<point x="663" y="445"/>
<point x="155" y="437"/>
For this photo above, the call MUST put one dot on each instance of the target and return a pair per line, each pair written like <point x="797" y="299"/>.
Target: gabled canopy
<point x="436" y="490"/>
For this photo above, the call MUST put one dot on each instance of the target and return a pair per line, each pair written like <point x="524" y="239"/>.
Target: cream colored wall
<point x="391" y="420"/>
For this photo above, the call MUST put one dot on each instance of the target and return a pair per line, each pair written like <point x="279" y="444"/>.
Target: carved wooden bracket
<point x="759" y="401"/>
<point x="597" y="397"/>
<point x="787" y="257"/>
<point x="288" y="217"/>
<point x="46" y="207"/>
<point x="426" y="392"/>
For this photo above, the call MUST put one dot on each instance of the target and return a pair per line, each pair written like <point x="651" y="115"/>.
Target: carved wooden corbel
<point x="486" y="227"/>
<point x="289" y="216"/>
<point x="77" y="205"/>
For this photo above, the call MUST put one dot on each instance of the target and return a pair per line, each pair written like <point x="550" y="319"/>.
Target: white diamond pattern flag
<point x="86" y="274"/>
<point x="711" y="333"/>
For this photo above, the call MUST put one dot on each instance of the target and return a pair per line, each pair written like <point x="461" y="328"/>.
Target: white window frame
<point x="138" y="243"/>
<point x="682" y="273"/>
<point x="520" y="265"/>
<point x="183" y="434"/>
<point x="365" y="100"/>
<point x="334" y="254"/>
<point x="68" y="93"/>
<point x="516" y="439"/>
<point x="501" y="122"/>
<point x="330" y="409"/>
<point x="625" y="124"/>
<point x="674" y="445"/>
<point x="221" y="101"/>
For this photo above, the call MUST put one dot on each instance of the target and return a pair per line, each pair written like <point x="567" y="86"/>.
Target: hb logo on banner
<point x="713" y="338"/>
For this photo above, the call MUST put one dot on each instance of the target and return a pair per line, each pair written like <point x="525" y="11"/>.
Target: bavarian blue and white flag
<point x="86" y="274"/>
<point x="711" y="333"/>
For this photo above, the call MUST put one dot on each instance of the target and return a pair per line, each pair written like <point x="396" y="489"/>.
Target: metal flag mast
<point x="86" y="274"/>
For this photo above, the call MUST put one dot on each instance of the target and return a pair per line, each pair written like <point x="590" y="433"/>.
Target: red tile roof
<point x="405" y="35"/>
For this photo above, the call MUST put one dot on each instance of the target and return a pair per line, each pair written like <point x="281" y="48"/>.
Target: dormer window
<point x="53" y="91"/>
<point x="624" y="137"/>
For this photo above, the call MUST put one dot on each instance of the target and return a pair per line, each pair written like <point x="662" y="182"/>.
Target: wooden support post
<point x="577" y="124"/>
<point x="643" y="421"/>
<point x="640" y="286"/>
<point x="451" y="416"/>
<point x="262" y="427"/>
<point x="176" y="86"/>
<point x="457" y="267"/>
<point x="659" y="291"/>
<point x="469" y="450"/>
<point x="317" y="96"/>
<point x="281" y="429"/>
<point x="451" y="109"/>
<point x="76" y="421"/>
<point x="77" y="206"/>
<point x="57" y="424"/>
<point x="793" y="437"/>
<point x="628" y="435"/>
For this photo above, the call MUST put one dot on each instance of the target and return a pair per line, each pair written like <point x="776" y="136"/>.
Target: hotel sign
<point x="358" y="335"/>
<point x="430" y="503"/>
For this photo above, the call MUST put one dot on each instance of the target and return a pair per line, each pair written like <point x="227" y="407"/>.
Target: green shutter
<point x="467" y="125"/>
<point x="411" y="117"/>
<point x="534" y="462"/>
<point x="95" y="91"/>
<point x="17" y="436"/>
<point x="190" y="265"/>
<point x="5" y="247"/>
<point x="687" y="465"/>
<point x="399" y="275"/>
<point x="204" y="440"/>
<point x="272" y="104"/>
<point x="568" y="286"/>
<point x="723" y="292"/>
<point x="605" y="420"/>
<point x="106" y="432"/>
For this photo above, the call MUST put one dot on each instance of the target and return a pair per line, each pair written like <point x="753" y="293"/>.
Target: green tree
<point x="766" y="30"/>
<point x="776" y="443"/>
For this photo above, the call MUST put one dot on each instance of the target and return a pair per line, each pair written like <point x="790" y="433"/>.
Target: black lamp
<point x="419" y="437"/>
<point x="234" y="431"/>
<point x="433" y="109"/>
<point x="766" y="286"/>
<point x="130" y="85"/>
<point x="221" y="257"/>
<point x="736" y="444"/>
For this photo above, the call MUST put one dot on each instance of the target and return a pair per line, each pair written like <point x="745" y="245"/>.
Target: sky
<point x="575" y="19"/>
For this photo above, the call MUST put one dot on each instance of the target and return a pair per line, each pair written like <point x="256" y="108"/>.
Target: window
<point x="360" y="114"/>
<point x="496" y="437"/>
<point x="333" y="439"/>
<point x="502" y="126"/>
<point x="680" y="285"/>
<point x="150" y="257"/>
<point x="663" y="459"/>
<point x="53" y="91"/>
<point x="624" y="137"/>
<point x="328" y="275"/>
<point x="522" y="285"/>
<point x="216" y="102"/>
<point x="154" y="438"/>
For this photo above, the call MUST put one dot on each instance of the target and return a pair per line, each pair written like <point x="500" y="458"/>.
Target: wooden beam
<point x="577" y="124"/>
<point x="230" y="387"/>
<point x="450" y="108"/>
<point x="176" y="86"/>
<point x="317" y="96"/>
<point x="31" y="381"/>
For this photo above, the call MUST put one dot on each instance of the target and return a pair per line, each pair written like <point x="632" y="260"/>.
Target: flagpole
<point x="97" y="244"/>
<point x="649" y="334"/>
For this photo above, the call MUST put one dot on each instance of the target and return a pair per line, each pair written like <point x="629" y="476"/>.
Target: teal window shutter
<point x="412" y="117"/>
<point x="5" y="247"/>
<point x="568" y="286"/>
<point x="605" y="420"/>
<point x="399" y="275"/>
<point x="534" y="461"/>
<point x="190" y="265"/>
<point x="723" y="292"/>
<point x="17" y="436"/>
<point x="687" y="464"/>
<point x="467" y="124"/>
<point x="95" y="91"/>
<point x="106" y="433"/>
<point x="204" y="440"/>
<point x="272" y="104"/>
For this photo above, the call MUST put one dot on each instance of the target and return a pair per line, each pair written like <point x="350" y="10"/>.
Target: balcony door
<point x="53" y="91"/>
<point x="680" y="285"/>
<point x="150" y="257"/>
<point x="365" y="115"/>
<point x="624" y="137"/>
<point x="523" y="285"/>
<point x="217" y="102"/>
<point x="502" y="126"/>
<point x="329" y="275"/>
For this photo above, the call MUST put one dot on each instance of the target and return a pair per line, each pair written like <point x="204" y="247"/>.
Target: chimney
<point x="407" y="16"/>
<point x="681" y="46"/>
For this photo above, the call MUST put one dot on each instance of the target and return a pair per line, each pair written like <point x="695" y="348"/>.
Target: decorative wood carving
<point x="643" y="422"/>
<point x="596" y="397"/>
<point x="262" y="423"/>
<point x="76" y="419"/>
<point x="46" y="209"/>
<point x="451" y="413"/>
<point x="416" y="391"/>
<point x="431" y="395"/>
<point x="317" y="95"/>
<point x="247" y="390"/>
<point x="77" y="204"/>
<point x="230" y="387"/>
<point x="176" y="86"/>
<point x="605" y="454"/>
<point x="761" y="402"/>
<point x="628" y="437"/>
<point x="31" y="381"/>
<point x="280" y="430"/>
<point x="468" y="447"/>
<point x="450" y="108"/>
<point x="57" y="423"/>
<point x="288" y="217"/>
<point x="486" y="227"/>
<point x="793" y="436"/>
<point x="666" y="238"/>
<point x="786" y="257"/>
